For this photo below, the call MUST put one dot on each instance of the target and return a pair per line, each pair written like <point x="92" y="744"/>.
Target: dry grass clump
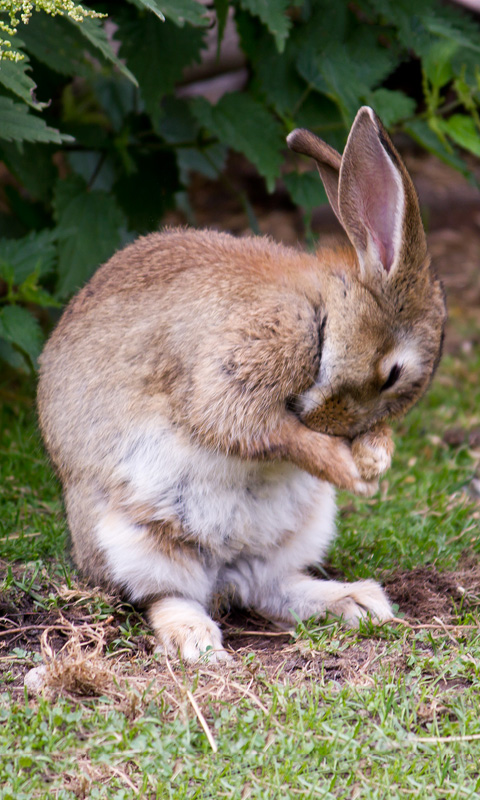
<point x="78" y="669"/>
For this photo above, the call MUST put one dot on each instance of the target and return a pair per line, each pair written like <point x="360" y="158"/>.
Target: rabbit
<point x="202" y="396"/>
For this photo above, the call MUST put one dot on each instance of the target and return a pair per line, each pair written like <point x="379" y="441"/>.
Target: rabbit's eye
<point x="392" y="378"/>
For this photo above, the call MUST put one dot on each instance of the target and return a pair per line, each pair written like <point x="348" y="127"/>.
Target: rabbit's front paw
<point x="184" y="629"/>
<point x="372" y="452"/>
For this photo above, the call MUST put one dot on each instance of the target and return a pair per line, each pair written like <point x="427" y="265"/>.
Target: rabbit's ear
<point x="328" y="161"/>
<point x="377" y="200"/>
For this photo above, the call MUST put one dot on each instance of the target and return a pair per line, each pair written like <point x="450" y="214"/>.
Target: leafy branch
<point x="106" y="143"/>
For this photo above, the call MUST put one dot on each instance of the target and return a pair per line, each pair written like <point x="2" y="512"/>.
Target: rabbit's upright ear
<point x="328" y="161"/>
<point x="378" y="203"/>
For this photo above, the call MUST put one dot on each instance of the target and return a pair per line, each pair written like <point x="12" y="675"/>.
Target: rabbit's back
<point x="194" y="327"/>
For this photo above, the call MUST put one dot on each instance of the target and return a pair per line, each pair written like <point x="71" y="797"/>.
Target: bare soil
<point x="74" y="641"/>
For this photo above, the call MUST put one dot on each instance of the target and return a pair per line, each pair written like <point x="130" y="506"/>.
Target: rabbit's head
<point x="384" y="310"/>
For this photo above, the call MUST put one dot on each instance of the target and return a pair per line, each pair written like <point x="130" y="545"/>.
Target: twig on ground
<point x="195" y="707"/>
<point x="469" y="737"/>
<point x="429" y="626"/>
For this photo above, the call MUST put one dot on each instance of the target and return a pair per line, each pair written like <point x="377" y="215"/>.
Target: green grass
<point x="378" y="713"/>
<point x="381" y="740"/>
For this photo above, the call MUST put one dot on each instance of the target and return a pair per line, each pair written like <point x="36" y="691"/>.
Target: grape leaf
<point x="89" y="230"/>
<point x="245" y="125"/>
<point x="18" y="124"/>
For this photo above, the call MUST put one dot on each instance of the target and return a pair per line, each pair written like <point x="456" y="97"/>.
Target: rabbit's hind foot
<point x="183" y="628"/>
<point x="308" y="597"/>
<point x="359" y="600"/>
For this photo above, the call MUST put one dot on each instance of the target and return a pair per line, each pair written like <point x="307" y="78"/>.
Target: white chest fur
<point x="225" y="503"/>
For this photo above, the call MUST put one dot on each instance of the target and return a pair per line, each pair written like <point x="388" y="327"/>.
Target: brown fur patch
<point x="170" y="539"/>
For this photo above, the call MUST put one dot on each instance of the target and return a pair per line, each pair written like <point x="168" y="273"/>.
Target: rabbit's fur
<point x="201" y="396"/>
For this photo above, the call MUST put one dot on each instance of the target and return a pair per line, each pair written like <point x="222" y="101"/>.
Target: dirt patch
<point x="423" y="593"/>
<point x="82" y="643"/>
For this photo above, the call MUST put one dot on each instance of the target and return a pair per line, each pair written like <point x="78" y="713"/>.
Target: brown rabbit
<point x="201" y="396"/>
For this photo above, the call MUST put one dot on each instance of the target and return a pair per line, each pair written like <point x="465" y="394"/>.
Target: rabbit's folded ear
<point x="328" y="161"/>
<point x="377" y="201"/>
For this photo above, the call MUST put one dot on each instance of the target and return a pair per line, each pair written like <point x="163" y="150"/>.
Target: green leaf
<point x="445" y="29"/>
<point x="145" y="194"/>
<point x="208" y="161"/>
<point x="245" y="125"/>
<point x="463" y="131"/>
<point x="33" y="254"/>
<point x="18" y="124"/>
<point x="371" y="61"/>
<point x="94" y="31"/>
<point x="158" y="52"/>
<point x="277" y="76"/>
<point x="177" y="124"/>
<point x="273" y="15"/>
<point x="13" y="357"/>
<point x="179" y="11"/>
<point x="89" y="229"/>
<point x="30" y="292"/>
<point x="347" y="74"/>
<point x="437" y="63"/>
<point x="57" y="43"/>
<point x="306" y="189"/>
<point x="420" y="23"/>
<point x="95" y="167"/>
<point x="32" y="165"/>
<point x="332" y="74"/>
<point x="308" y="65"/>
<point x="423" y="134"/>
<point x="117" y="96"/>
<point x="150" y="5"/>
<point x="221" y="10"/>
<point x="13" y="75"/>
<point x="20" y="329"/>
<point x="321" y="115"/>
<point x="391" y="106"/>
